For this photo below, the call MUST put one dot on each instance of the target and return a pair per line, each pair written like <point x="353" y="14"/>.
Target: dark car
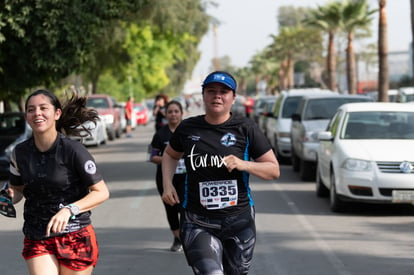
<point x="13" y="130"/>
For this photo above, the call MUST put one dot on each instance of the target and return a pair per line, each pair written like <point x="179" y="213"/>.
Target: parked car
<point x="269" y="104"/>
<point x="405" y="94"/>
<point x="393" y="95"/>
<point x="238" y="107"/>
<point x="97" y="133"/>
<point x="259" y="104"/>
<point x="312" y="116"/>
<point x="279" y="121"/>
<point x="366" y="154"/>
<point x="141" y="113"/>
<point x="13" y="130"/>
<point x="110" y="110"/>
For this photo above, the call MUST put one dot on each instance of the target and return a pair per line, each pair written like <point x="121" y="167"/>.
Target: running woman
<point x="60" y="183"/>
<point x="174" y="115"/>
<point x="220" y="151"/>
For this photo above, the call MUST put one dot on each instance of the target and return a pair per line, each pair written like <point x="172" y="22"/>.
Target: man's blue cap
<point x="221" y="77"/>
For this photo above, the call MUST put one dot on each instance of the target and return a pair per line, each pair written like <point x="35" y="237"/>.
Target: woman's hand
<point x="58" y="222"/>
<point x="170" y="195"/>
<point x="232" y="162"/>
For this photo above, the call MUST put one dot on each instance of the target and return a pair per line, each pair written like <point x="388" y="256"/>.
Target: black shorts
<point x="219" y="246"/>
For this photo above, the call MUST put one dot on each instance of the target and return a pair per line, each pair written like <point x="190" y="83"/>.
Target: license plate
<point x="399" y="196"/>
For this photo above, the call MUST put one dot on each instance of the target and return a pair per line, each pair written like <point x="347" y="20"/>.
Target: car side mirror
<point x="325" y="136"/>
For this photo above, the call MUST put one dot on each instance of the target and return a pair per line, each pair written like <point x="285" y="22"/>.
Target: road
<point x="296" y="232"/>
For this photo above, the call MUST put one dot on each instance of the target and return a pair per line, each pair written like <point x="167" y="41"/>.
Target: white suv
<point x="311" y="117"/>
<point x="279" y="121"/>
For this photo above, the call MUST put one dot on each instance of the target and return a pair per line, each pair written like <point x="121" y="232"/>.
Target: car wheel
<point x="336" y="204"/>
<point x="118" y="133"/>
<point x="111" y="134"/>
<point x="307" y="170"/>
<point x="321" y="190"/>
<point x="295" y="161"/>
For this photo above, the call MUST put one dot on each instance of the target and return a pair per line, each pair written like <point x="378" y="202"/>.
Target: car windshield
<point x="12" y="124"/>
<point x="325" y="108"/>
<point x="378" y="125"/>
<point x="97" y="103"/>
<point x="290" y="106"/>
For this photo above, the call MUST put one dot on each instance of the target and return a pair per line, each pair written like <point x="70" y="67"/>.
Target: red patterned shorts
<point x="76" y="250"/>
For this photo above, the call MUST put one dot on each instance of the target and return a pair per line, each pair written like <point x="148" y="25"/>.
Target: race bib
<point x="218" y="194"/>
<point x="181" y="167"/>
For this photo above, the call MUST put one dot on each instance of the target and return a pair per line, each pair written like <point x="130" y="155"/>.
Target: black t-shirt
<point x="211" y="190"/>
<point x="159" y="142"/>
<point x="52" y="179"/>
<point x="160" y="119"/>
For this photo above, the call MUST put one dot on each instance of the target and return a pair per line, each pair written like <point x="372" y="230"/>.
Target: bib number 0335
<point x="218" y="194"/>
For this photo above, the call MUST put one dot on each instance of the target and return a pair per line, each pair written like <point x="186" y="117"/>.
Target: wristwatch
<point x="74" y="209"/>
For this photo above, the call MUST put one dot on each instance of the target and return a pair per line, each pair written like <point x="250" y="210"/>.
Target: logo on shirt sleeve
<point x="90" y="167"/>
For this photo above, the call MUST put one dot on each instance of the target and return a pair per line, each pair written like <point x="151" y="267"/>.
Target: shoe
<point x="176" y="246"/>
<point x="129" y="136"/>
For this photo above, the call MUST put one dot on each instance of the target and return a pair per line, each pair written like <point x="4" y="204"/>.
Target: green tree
<point x="291" y="44"/>
<point x="44" y="41"/>
<point x="182" y="26"/>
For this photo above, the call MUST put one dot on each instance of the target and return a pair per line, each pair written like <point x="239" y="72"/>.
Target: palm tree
<point x="290" y="44"/>
<point x="356" y="17"/>
<point x="412" y="35"/>
<point x="383" y="79"/>
<point x="328" y="19"/>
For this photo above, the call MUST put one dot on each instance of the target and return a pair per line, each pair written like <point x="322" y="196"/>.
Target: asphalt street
<point x="296" y="232"/>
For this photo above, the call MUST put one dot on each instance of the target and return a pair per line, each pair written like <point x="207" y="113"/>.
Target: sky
<point x="246" y="26"/>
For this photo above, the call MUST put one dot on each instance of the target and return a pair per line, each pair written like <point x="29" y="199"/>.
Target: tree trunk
<point x="383" y="78"/>
<point x="350" y="65"/>
<point x="331" y="66"/>
<point x="290" y="72"/>
<point x="283" y="74"/>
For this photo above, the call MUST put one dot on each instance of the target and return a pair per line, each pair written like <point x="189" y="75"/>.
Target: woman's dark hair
<point x="164" y="96"/>
<point x="74" y="112"/>
<point x="176" y="103"/>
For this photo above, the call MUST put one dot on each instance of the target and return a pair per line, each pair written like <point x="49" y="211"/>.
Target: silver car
<point x="312" y="116"/>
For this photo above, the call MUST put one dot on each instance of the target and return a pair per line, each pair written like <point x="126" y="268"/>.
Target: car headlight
<point x="356" y="165"/>
<point x="109" y="118"/>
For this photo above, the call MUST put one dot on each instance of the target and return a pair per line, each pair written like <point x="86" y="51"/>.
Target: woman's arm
<point x="98" y="193"/>
<point x="169" y="163"/>
<point x="155" y="157"/>
<point x="265" y="167"/>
